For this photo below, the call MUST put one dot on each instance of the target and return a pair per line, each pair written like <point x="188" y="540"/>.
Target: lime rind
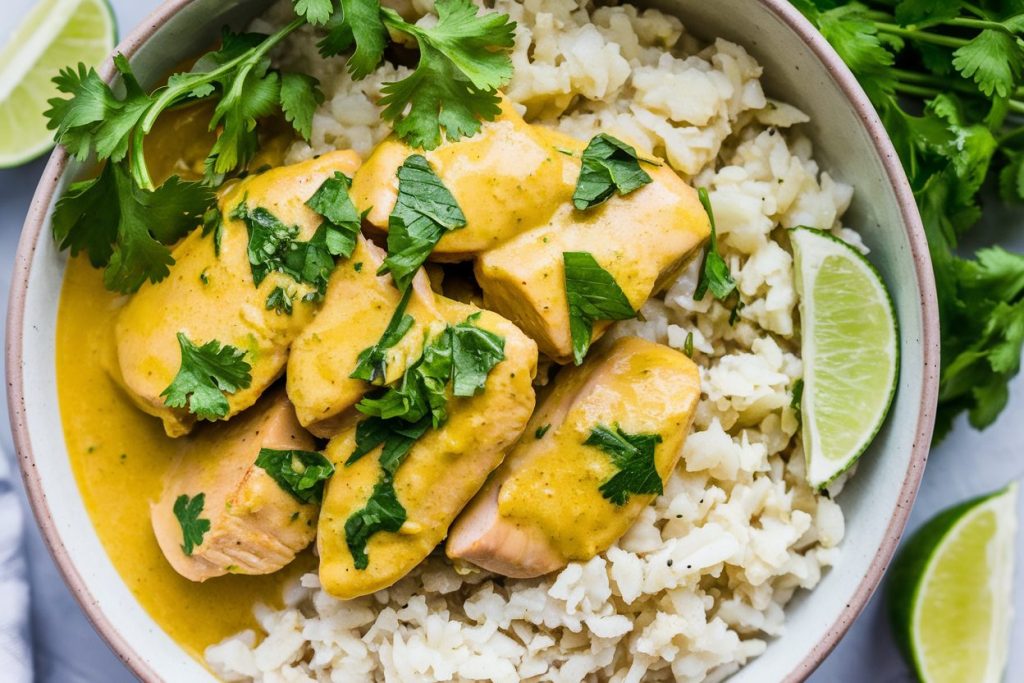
<point x="812" y="247"/>
<point x="915" y="568"/>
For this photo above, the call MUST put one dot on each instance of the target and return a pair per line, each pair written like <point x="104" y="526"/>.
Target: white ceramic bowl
<point x="849" y="141"/>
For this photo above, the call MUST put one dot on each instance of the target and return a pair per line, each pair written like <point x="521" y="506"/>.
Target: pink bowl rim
<point x="58" y="161"/>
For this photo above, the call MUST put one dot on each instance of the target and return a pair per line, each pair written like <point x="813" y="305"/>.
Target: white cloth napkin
<point x="15" y="651"/>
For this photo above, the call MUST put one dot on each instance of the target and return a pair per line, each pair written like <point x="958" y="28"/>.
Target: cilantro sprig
<point x="714" y="271"/>
<point x="592" y="294"/>
<point x="125" y="223"/>
<point x="300" y="473"/>
<point x="609" y="165"/>
<point x="193" y="527"/>
<point x="947" y="79"/>
<point x="206" y="375"/>
<point x="633" y="455"/>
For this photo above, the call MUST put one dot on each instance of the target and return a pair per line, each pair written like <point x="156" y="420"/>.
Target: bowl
<point x="800" y="67"/>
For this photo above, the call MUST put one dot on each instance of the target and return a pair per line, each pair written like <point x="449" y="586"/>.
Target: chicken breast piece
<point x="642" y="239"/>
<point x="441" y="473"/>
<point x="209" y="297"/>
<point x="508" y="178"/>
<point x="544" y="507"/>
<point x="356" y="311"/>
<point x="255" y="526"/>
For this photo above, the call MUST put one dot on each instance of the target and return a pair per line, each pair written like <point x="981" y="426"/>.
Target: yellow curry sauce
<point x="119" y="455"/>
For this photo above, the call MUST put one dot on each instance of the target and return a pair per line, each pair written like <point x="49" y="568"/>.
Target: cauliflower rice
<point x="698" y="586"/>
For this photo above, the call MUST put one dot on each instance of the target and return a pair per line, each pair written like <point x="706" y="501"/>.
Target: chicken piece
<point x="441" y="473"/>
<point x="642" y="239"/>
<point x="544" y="506"/>
<point x="209" y="297"/>
<point x="358" y="307"/>
<point x="508" y="178"/>
<point x="256" y="527"/>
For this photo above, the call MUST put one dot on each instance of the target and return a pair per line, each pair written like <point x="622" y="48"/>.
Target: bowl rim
<point x="930" y="344"/>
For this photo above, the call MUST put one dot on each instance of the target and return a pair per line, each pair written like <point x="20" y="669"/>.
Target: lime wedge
<point x="850" y="349"/>
<point x="949" y="591"/>
<point x="55" y="34"/>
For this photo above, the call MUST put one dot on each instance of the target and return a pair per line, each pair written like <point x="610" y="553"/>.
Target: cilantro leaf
<point x="424" y="211"/>
<point x="593" y="294"/>
<point x="382" y="512"/>
<point x="397" y="437"/>
<point x="248" y="95"/>
<point x="342" y="219"/>
<point x="300" y="96"/>
<point x="927" y="12"/>
<point x="193" y="527"/>
<point x="856" y="38"/>
<point x="994" y="60"/>
<point x="422" y="389"/>
<point x="301" y="473"/>
<point x="280" y="301"/>
<point x="714" y="271"/>
<point x="206" y="375"/>
<point x="475" y="352"/>
<point x="372" y="363"/>
<point x="314" y="11"/>
<point x="359" y="23"/>
<point x="633" y="455"/>
<point x="463" y="61"/>
<point x="608" y="165"/>
<point x="125" y="228"/>
<point x="213" y="223"/>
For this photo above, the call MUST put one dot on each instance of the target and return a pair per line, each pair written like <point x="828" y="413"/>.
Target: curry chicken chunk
<point x="222" y="514"/>
<point x="212" y="295"/>
<point x="441" y="473"/>
<point x="595" y="454"/>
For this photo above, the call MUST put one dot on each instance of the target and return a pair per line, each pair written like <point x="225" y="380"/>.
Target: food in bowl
<point x="532" y="399"/>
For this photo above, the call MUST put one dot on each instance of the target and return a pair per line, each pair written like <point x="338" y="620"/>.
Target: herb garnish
<point x="593" y="294"/>
<point x="688" y="344"/>
<point x="372" y="364"/>
<point x="633" y="454"/>
<point x="206" y="375"/>
<point x="301" y="473"/>
<point x="280" y="301"/>
<point x="714" y="271"/>
<point x="187" y="511"/>
<point x="342" y="220"/>
<point x="424" y="211"/>
<point x="541" y="431"/>
<point x="125" y="223"/>
<point x="462" y="355"/>
<point x="608" y="165"/>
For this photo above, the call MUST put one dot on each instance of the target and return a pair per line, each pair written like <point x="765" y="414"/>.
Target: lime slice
<point x="949" y="592"/>
<point x="55" y="34"/>
<point x="850" y="352"/>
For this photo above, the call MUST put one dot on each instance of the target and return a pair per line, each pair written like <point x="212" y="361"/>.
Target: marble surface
<point x="966" y="464"/>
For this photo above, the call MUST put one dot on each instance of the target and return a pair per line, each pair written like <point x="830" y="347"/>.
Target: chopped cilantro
<point x="206" y="375"/>
<point x="424" y="211"/>
<point x="608" y="165"/>
<point x="342" y="221"/>
<point x="593" y="294"/>
<point x="475" y="352"/>
<point x="714" y="271"/>
<point x="203" y="277"/>
<point x="372" y="362"/>
<point x="213" y="223"/>
<point x="688" y="344"/>
<point x="280" y="301"/>
<point x="193" y="528"/>
<point x="633" y="455"/>
<point x="358" y="266"/>
<point x="382" y="512"/>
<point x="301" y="473"/>
<point x="798" y="394"/>
<point x="541" y="431"/>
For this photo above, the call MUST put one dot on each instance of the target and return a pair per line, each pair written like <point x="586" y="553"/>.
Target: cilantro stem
<point x="981" y="24"/>
<point x="169" y="96"/>
<point x="923" y="36"/>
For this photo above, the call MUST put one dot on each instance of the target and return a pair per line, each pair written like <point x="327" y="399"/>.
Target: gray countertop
<point x="966" y="464"/>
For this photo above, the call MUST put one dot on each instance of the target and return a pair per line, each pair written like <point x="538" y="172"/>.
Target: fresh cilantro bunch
<point x="946" y="78"/>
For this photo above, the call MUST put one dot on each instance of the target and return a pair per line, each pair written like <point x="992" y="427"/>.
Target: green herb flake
<point x="541" y="431"/>
<point x="193" y="528"/>
<point x="798" y="394"/>
<point x="203" y="277"/>
<point x="213" y="224"/>
<point x="424" y="211"/>
<point x="280" y="301"/>
<point x="371" y="365"/>
<point x="382" y="512"/>
<point x="633" y="455"/>
<point x="301" y="473"/>
<point x="342" y="220"/>
<point x="206" y="375"/>
<point x="688" y="345"/>
<point x="593" y="294"/>
<point x="608" y="165"/>
<point x="714" y="271"/>
<point x="358" y="266"/>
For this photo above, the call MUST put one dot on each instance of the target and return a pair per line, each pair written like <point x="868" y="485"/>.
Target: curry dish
<point x="383" y="407"/>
